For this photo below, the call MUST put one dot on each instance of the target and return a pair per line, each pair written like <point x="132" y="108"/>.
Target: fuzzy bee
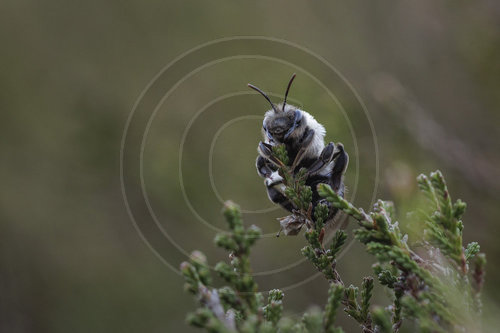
<point x="303" y="138"/>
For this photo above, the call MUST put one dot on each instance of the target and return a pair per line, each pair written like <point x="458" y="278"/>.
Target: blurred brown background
<point x="71" y="258"/>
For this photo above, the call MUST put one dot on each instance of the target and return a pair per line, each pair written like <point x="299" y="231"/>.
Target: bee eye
<point x="298" y="117"/>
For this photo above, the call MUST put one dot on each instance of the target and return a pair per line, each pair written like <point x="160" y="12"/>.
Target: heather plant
<point x="434" y="281"/>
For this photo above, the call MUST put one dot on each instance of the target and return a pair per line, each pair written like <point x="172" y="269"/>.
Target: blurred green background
<point x="71" y="72"/>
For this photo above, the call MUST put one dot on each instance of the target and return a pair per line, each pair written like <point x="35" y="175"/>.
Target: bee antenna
<point x="288" y="89"/>
<point x="265" y="96"/>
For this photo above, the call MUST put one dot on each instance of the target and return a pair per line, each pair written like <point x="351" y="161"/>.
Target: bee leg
<point x="266" y="151"/>
<point x="305" y="142"/>
<point x="277" y="197"/>
<point x="326" y="156"/>
<point x="264" y="167"/>
<point x="267" y="170"/>
<point x="337" y="175"/>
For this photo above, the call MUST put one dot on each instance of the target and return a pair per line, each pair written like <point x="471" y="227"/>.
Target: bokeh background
<point x="71" y="257"/>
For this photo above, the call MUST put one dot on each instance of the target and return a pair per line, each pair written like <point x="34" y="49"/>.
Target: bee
<point x="303" y="137"/>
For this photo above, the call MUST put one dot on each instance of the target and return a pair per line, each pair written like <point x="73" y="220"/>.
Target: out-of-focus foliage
<point x="70" y="258"/>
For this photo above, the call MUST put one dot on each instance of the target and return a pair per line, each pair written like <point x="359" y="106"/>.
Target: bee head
<point x="283" y="120"/>
<point x="279" y="126"/>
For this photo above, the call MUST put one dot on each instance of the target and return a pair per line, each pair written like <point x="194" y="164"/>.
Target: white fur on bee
<point x="274" y="179"/>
